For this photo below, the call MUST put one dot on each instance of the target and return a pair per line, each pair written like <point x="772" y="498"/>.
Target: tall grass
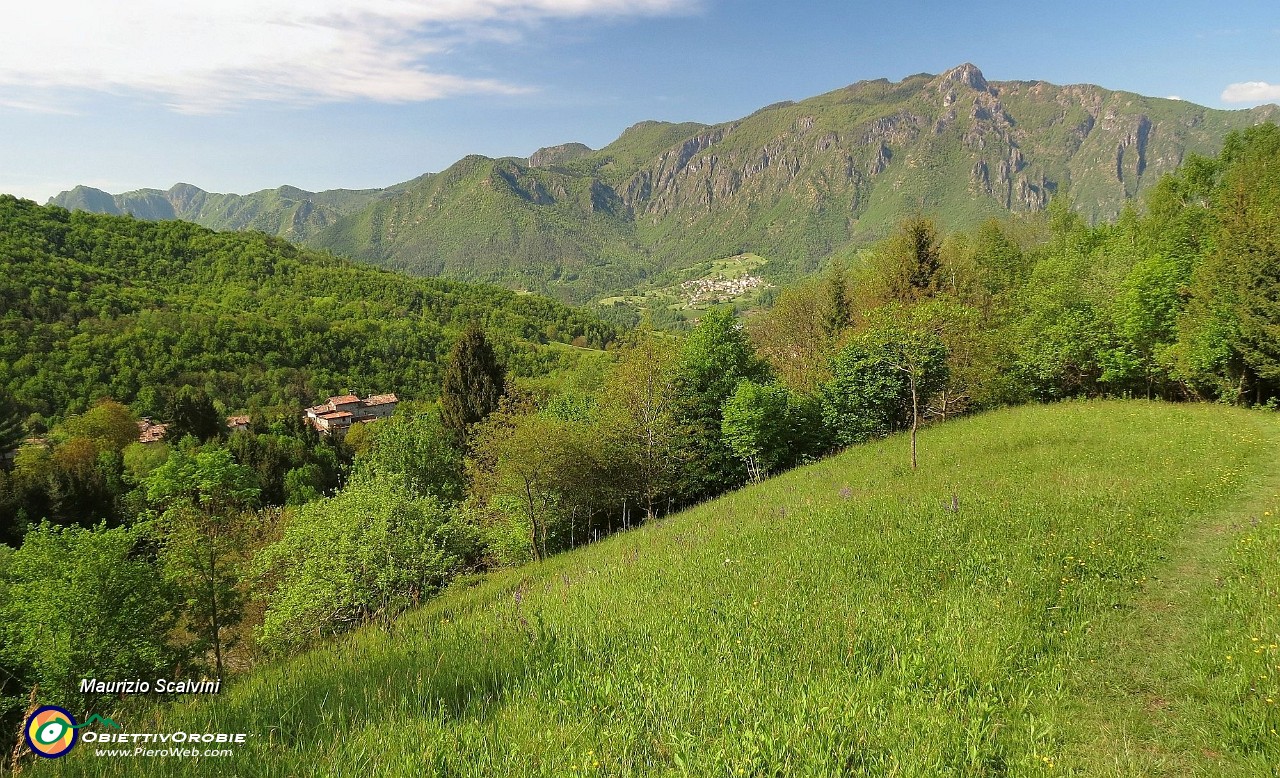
<point x="848" y="618"/>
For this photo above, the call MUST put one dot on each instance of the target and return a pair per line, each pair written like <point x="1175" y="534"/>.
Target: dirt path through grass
<point x="1147" y="705"/>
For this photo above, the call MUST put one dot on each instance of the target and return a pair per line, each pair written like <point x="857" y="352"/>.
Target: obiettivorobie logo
<point x="52" y="731"/>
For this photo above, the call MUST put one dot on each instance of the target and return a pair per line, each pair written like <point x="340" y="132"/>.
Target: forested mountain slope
<point x="286" y="211"/>
<point x="110" y="306"/>
<point x="792" y="182"/>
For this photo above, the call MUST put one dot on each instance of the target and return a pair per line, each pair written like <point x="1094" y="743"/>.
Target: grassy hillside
<point x="1076" y="589"/>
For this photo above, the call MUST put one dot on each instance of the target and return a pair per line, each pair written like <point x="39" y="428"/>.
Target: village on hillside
<point x="719" y="290"/>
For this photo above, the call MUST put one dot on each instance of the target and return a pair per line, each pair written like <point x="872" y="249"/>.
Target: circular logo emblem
<point x="50" y="731"/>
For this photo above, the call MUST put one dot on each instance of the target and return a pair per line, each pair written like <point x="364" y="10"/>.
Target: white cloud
<point x="1173" y="97"/>
<point x="34" y="106"/>
<point x="208" y="56"/>
<point x="1251" y="92"/>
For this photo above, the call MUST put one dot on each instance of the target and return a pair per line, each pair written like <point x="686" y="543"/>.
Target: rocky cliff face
<point x="953" y="144"/>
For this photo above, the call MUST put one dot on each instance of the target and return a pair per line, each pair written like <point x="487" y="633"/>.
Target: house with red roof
<point x="337" y="414"/>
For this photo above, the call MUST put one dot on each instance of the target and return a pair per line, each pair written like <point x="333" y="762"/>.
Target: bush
<point x="82" y="603"/>
<point x="504" y="533"/>
<point x="372" y="550"/>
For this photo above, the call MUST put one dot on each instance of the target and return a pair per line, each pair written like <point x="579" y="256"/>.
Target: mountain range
<point x="794" y="182"/>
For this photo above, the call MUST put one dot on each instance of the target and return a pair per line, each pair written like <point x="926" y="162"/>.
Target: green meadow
<point x="1086" y="589"/>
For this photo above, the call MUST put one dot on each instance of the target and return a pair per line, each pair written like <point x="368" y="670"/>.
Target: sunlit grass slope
<point x="1102" y="601"/>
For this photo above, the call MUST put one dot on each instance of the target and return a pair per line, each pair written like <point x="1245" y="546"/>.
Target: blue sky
<point x="241" y="95"/>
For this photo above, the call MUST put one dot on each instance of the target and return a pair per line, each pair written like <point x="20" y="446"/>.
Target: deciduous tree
<point x="637" y="408"/>
<point x="715" y="357"/>
<point x="755" y="424"/>
<point x="205" y="498"/>
<point x="418" y="448"/>
<point x="83" y="603"/>
<point x="884" y="378"/>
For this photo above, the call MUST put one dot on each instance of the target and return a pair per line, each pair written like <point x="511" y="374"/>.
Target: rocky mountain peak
<point x="967" y="74"/>
<point x="558" y="155"/>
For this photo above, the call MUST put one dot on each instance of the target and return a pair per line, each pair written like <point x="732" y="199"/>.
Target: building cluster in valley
<point x="718" y="290"/>
<point x="332" y="417"/>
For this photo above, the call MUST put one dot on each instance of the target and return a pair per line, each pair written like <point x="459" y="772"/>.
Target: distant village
<point x="719" y="290"/>
<point x="332" y="417"/>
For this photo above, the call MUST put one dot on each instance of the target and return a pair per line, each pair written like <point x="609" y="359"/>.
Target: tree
<point x="755" y="425"/>
<point x="638" y="404"/>
<point x="1061" y="330"/>
<point x="11" y="426"/>
<point x="907" y="266"/>
<point x="191" y="412"/>
<point x="976" y="355"/>
<point x="884" y="378"/>
<point x="1145" y="311"/>
<point x="837" y="314"/>
<point x="796" y="334"/>
<point x="1246" y="258"/>
<point x="543" y="462"/>
<point x="418" y="448"/>
<point x="110" y="425"/>
<point x="1000" y="263"/>
<point x="1230" y="330"/>
<point x="713" y="360"/>
<point x="473" y="384"/>
<point x="923" y="358"/>
<point x="205" y="498"/>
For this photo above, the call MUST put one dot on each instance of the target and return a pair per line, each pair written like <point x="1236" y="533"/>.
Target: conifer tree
<point x="838" y="312"/>
<point x="906" y="267"/>
<point x="473" y="385"/>
<point x="191" y="412"/>
<point x="11" y="427"/>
